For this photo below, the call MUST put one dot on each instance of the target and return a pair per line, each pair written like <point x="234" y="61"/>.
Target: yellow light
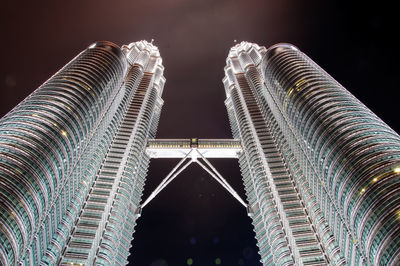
<point x="64" y="133"/>
<point x="375" y="179"/>
<point x="362" y="191"/>
<point x="396" y="170"/>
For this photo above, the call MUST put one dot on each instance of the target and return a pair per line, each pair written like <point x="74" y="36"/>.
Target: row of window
<point x="351" y="150"/>
<point x="41" y="140"/>
<point x="258" y="191"/>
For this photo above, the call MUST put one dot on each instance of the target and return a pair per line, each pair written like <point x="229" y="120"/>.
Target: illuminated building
<point x="72" y="160"/>
<point x="321" y="171"/>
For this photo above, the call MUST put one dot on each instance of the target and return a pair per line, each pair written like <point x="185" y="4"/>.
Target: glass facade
<point x="72" y="161"/>
<point x="321" y="171"/>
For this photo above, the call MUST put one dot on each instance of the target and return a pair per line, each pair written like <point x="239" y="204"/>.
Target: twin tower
<point x="320" y="170"/>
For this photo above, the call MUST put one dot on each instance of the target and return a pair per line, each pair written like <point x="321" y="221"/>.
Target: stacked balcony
<point x="306" y="247"/>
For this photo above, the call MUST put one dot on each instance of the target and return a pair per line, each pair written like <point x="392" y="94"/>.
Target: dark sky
<point x="194" y="218"/>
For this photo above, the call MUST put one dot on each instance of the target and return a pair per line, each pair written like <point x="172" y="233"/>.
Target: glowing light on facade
<point x="320" y="169"/>
<point x="72" y="165"/>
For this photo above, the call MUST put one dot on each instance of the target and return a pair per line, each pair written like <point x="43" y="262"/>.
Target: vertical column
<point x="270" y="231"/>
<point x="104" y="229"/>
<point x="308" y="238"/>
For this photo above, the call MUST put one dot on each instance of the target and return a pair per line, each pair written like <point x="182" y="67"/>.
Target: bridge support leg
<point x="171" y="176"/>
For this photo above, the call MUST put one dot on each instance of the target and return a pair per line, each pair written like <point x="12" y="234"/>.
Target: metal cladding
<point x="54" y="143"/>
<point x="314" y="152"/>
<point x="320" y="170"/>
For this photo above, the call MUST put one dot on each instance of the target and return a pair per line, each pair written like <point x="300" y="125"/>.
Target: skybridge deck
<point x="179" y="148"/>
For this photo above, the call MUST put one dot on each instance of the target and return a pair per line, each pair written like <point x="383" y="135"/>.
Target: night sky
<point x="194" y="221"/>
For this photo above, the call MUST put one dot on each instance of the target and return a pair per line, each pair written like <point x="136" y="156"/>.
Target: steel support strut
<point x="193" y="155"/>
<point x="171" y="176"/>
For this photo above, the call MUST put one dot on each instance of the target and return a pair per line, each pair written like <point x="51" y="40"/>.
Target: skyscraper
<point x="72" y="160"/>
<point x="321" y="171"/>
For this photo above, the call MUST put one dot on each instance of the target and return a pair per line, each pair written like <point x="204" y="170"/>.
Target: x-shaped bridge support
<point x="193" y="155"/>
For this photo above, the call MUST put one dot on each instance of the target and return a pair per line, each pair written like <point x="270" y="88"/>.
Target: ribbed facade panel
<point x="106" y="223"/>
<point x="72" y="161"/>
<point x="353" y="154"/>
<point x="324" y="150"/>
<point x="41" y="142"/>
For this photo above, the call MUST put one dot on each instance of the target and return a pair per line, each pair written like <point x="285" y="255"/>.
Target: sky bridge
<point x="179" y="148"/>
<point x="190" y="151"/>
